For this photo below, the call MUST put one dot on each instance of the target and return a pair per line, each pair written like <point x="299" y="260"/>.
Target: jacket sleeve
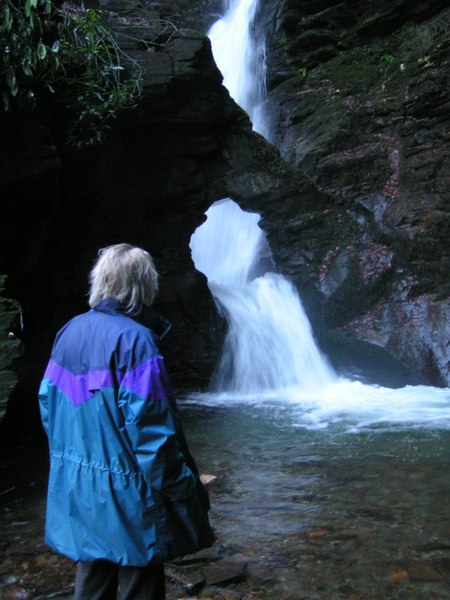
<point x="153" y="428"/>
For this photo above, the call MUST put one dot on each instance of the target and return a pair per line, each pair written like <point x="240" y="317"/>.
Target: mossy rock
<point x="362" y="66"/>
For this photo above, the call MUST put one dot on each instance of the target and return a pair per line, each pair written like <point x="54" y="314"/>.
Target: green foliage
<point x="388" y="59"/>
<point x="94" y="68"/>
<point x="70" y="53"/>
<point x="22" y="49"/>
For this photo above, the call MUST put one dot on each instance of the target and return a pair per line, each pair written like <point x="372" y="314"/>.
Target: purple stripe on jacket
<point x="148" y="380"/>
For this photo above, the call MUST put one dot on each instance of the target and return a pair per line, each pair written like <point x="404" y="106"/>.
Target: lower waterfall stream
<point x="270" y="352"/>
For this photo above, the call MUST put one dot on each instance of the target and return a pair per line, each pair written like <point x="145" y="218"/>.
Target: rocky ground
<point x="367" y="524"/>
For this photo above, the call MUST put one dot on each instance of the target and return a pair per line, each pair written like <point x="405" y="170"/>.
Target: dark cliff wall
<point x="359" y="102"/>
<point x="10" y="346"/>
<point x="144" y="186"/>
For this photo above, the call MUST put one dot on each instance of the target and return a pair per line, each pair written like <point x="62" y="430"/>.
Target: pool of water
<point x="313" y="500"/>
<point x="327" y="508"/>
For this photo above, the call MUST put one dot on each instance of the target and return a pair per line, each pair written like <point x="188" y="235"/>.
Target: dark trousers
<point x="103" y="580"/>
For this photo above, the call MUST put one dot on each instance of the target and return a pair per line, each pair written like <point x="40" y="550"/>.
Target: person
<point x="124" y="492"/>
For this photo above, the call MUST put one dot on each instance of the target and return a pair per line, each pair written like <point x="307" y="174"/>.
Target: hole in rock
<point x="269" y="344"/>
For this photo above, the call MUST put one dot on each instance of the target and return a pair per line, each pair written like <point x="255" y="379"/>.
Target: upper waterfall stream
<point x="240" y="54"/>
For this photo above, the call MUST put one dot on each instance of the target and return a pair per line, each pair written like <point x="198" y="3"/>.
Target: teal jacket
<point x="122" y="486"/>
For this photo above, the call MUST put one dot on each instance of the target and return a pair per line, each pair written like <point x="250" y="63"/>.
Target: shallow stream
<point x="336" y="512"/>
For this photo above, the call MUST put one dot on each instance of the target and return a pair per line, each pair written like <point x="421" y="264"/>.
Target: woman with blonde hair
<point x="124" y="493"/>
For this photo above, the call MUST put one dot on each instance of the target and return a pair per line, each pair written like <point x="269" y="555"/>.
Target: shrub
<point x="68" y="52"/>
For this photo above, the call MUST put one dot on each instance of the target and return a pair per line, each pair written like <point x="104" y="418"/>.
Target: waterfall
<point x="269" y="350"/>
<point x="240" y="54"/>
<point x="269" y="345"/>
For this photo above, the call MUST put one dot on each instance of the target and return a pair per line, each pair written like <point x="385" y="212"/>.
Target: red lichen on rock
<point x="374" y="261"/>
<point x="327" y="261"/>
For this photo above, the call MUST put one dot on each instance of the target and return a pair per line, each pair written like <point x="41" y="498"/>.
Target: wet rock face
<point x="307" y="34"/>
<point x="359" y="102"/>
<point x="192" y="14"/>
<point x="195" y="14"/>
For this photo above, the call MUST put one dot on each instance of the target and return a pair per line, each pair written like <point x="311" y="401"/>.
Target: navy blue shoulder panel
<point x="99" y="341"/>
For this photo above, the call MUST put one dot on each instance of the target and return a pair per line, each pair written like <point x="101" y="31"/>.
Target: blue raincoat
<point x="122" y="485"/>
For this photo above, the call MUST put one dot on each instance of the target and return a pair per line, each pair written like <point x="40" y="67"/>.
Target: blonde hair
<point x="126" y="273"/>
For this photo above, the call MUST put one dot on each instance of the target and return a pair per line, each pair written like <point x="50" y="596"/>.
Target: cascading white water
<point x="269" y="352"/>
<point x="240" y="54"/>
<point x="269" y="345"/>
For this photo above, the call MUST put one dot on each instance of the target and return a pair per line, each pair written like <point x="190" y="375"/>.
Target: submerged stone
<point x="225" y="572"/>
<point x="17" y="593"/>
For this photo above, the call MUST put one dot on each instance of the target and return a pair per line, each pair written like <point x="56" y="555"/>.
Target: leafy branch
<point x="72" y="54"/>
